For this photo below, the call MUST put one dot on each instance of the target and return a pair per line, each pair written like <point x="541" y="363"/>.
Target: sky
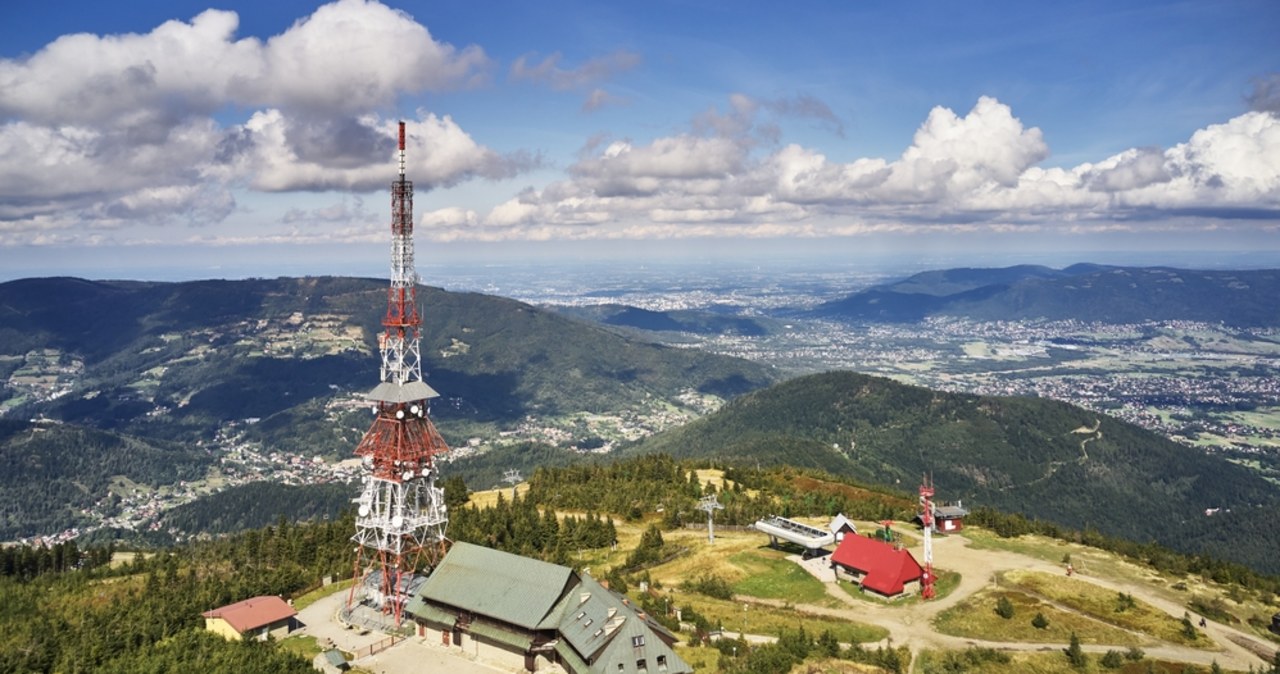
<point x="186" y="139"/>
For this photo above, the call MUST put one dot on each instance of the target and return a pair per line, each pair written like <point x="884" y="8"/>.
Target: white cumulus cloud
<point x="98" y="129"/>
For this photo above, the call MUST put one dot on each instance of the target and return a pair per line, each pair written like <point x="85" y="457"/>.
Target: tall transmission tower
<point x="401" y="515"/>
<point x="926" y="503"/>
<point x="711" y="505"/>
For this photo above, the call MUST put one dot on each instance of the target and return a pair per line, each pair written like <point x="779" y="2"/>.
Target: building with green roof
<point x="524" y="613"/>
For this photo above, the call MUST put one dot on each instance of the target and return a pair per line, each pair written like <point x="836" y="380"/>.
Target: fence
<point x="377" y="646"/>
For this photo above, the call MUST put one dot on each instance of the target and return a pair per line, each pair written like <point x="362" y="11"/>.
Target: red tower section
<point x="926" y="502"/>
<point x="401" y="516"/>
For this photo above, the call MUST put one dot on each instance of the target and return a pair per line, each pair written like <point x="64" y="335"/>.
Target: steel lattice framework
<point x="401" y="515"/>
<point x="927" y="518"/>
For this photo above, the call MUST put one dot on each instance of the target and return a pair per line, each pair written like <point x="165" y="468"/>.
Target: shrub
<point x="1004" y="607"/>
<point x="1112" y="660"/>
<point x="1040" y="622"/>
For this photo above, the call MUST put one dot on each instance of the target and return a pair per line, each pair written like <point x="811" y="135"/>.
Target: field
<point x="1103" y="605"/>
<point x="976" y="618"/>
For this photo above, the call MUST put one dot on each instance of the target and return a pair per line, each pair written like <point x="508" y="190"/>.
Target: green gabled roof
<point x="570" y="658"/>
<point x="506" y="587"/>
<point x="620" y="655"/>
<point x="429" y="613"/>
<point x="523" y="642"/>
<point x="601" y="627"/>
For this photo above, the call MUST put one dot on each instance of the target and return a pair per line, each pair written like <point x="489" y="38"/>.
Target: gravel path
<point x="913" y="625"/>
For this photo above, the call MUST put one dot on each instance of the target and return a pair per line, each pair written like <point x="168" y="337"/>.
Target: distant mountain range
<point x="1039" y="457"/>
<point x="157" y="370"/>
<point x="681" y="320"/>
<point x="1086" y="292"/>
<point x="211" y="351"/>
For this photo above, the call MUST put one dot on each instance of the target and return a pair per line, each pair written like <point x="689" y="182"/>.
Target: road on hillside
<point x="913" y="625"/>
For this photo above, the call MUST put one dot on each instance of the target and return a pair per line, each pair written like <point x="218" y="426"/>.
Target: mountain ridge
<point x="1084" y="291"/>
<point x="1038" y="457"/>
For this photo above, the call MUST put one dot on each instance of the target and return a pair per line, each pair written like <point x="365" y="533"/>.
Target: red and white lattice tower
<point x="401" y="515"/>
<point x="926" y="502"/>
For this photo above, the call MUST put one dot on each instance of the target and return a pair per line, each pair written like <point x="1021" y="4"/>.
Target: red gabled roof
<point x="253" y="613"/>
<point x="887" y="569"/>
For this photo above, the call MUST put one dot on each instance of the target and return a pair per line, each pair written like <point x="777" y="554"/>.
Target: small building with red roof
<point x="253" y="618"/>
<point x="881" y="568"/>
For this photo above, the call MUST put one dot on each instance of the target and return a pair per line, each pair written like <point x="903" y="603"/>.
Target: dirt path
<point x="913" y="625"/>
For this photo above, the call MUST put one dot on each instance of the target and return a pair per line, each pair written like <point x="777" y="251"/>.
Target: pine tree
<point x="1076" y="654"/>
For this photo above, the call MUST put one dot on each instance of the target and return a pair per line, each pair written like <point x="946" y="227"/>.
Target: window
<point x="580" y="614"/>
<point x="637" y="641"/>
<point x="662" y="663"/>
<point x="588" y="622"/>
<point x="621" y="667"/>
<point x="641" y="665"/>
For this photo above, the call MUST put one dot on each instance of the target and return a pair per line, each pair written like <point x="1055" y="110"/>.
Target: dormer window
<point x="580" y="615"/>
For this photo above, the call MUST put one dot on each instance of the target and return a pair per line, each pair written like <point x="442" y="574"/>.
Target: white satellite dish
<point x="364" y="511"/>
<point x="397" y="521"/>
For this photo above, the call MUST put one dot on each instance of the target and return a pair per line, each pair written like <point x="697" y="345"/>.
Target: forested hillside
<point x="1080" y="292"/>
<point x="148" y="384"/>
<point x="53" y="471"/>
<point x="1039" y="457"/>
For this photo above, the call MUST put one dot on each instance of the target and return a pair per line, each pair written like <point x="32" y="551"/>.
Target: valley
<point x="265" y="381"/>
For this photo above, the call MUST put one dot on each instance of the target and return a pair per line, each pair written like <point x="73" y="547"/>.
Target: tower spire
<point x="401" y="515"/>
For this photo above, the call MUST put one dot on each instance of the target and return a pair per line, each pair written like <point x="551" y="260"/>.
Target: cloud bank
<point x="976" y="170"/>
<point x="103" y="136"/>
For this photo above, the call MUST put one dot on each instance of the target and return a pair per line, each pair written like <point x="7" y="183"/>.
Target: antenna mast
<point x="401" y="515"/>
<point x="926" y="502"/>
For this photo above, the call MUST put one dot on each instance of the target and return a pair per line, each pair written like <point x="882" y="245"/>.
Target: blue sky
<point x="181" y="139"/>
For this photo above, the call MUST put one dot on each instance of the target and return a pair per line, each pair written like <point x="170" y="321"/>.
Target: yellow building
<point x="253" y="618"/>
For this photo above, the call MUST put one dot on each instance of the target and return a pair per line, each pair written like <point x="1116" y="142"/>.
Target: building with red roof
<point x="253" y="618"/>
<point x="882" y="568"/>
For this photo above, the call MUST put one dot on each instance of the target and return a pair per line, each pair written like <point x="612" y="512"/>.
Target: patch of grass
<point x="1055" y="663"/>
<point x="834" y="666"/>
<point x="700" y="658"/>
<point x="771" y="577"/>
<point x="1039" y="547"/>
<point x="771" y="620"/>
<point x="1100" y="603"/>
<point x="303" y="645"/>
<point x="976" y="617"/>
<point x="319" y="593"/>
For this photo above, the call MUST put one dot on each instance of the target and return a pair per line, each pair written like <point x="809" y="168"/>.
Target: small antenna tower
<point x="512" y="477"/>
<point x="711" y="505"/>
<point x="926" y="517"/>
